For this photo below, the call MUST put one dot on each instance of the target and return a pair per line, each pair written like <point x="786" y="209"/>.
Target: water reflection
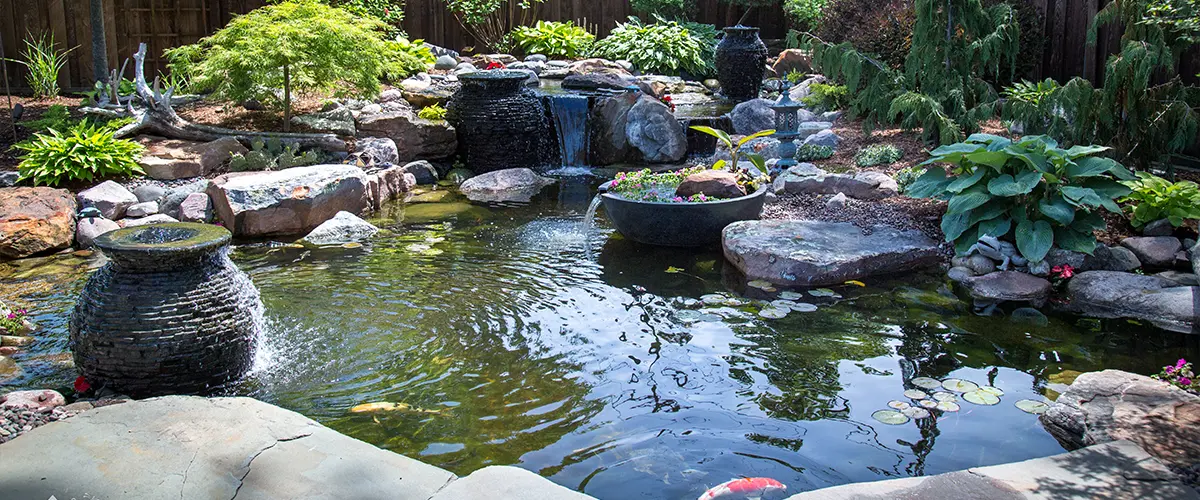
<point x="588" y="359"/>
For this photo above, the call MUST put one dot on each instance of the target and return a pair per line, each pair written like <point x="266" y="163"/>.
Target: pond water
<point x="515" y="337"/>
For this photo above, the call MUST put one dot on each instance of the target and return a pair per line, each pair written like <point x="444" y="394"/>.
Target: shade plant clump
<point x="83" y="152"/>
<point x="554" y="39"/>
<point x="1154" y="198"/>
<point x="1029" y="190"/>
<point x="878" y="154"/>
<point x="43" y="60"/>
<point x="662" y="47"/>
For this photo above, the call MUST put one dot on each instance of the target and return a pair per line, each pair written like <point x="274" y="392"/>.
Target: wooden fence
<point x="168" y="23"/>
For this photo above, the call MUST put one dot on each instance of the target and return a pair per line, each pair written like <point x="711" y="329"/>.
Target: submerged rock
<point x="1111" y="294"/>
<point x="817" y="253"/>
<point x="511" y="185"/>
<point x="35" y="220"/>
<point x="1009" y="286"/>
<point x="344" y="227"/>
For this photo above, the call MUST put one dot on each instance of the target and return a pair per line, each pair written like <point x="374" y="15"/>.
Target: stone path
<point x="1116" y="470"/>
<point x="191" y="447"/>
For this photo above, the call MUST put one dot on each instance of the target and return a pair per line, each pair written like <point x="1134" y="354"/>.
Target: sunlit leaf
<point x="959" y="385"/>
<point x="890" y="417"/>
<point x="981" y="398"/>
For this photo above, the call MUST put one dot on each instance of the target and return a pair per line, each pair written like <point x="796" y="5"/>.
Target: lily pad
<point x="773" y="313"/>
<point x="824" y="292"/>
<point x="928" y="404"/>
<point x="958" y="385"/>
<point x="890" y="417"/>
<point x="790" y="295"/>
<point x="804" y="307"/>
<point x="899" y="405"/>
<point x="916" y="413"/>
<point x="948" y="406"/>
<point x="713" y="299"/>
<point x="981" y="398"/>
<point x="926" y="383"/>
<point x="782" y="304"/>
<point x="915" y="394"/>
<point x="763" y="285"/>
<point x="995" y="391"/>
<point x="734" y="302"/>
<point x="1031" y="406"/>
<point x="945" y="396"/>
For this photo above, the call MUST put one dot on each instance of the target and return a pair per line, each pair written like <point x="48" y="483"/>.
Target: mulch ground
<point x="33" y="110"/>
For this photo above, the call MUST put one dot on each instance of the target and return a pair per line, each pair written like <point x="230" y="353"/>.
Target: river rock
<point x="423" y="172"/>
<point x="1180" y="278"/>
<point x="1009" y="286"/>
<point x="418" y="83"/>
<point x="145" y="221"/>
<point x="752" y="117"/>
<point x="32" y="400"/>
<point x="175" y="196"/>
<point x="197" y="207"/>
<point x="712" y="183"/>
<point x="1113" y="405"/>
<point x="35" y="220"/>
<point x="149" y="192"/>
<point x="169" y="159"/>
<point x="388" y="184"/>
<point x="109" y="197"/>
<point x="344" y="227"/>
<point x="90" y="228"/>
<point x="377" y="151"/>
<point x="1106" y="258"/>
<point x="803" y="89"/>
<point x="142" y="209"/>
<point x="445" y="63"/>
<point x="818" y="253"/>
<point x="809" y="180"/>
<point x="837" y="202"/>
<point x="291" y="201"/>
<point x="654" y="131"/>
<point x="1160" y="227"/>
<point x="510" y="185"/>
<point x="823" y="138"/>
<point x="9" y="179"/>
<point x="1111" y="294"/>
<point x="415" y="138"/>
<point x="1157" y="252"/>
<point x="792" y="60"/>
<point x="590" y="66"/>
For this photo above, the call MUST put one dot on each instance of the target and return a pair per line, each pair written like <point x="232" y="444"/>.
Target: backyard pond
<point x="515" y="335"/>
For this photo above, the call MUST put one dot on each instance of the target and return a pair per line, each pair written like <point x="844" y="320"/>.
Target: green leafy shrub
<point x="906" y="177"/>
<point x="44" y="61"/>
<point x="794" y="76"/>
<point x="433" y="112"/>
<point x="813" y="152"/>
<point x="272" y="154"/>
<point x="404" y="58"/>
<point x="56" y="117"/>
<point x="878" y="154"/>
<point x="664" y="47"/>
<point x="1030" y="190"/>
<point x="804" y="14"/>
<point x="1155" y="198"/>
<point x="296" y="46"/>
<point x="490" y="21"/>
<point x="826" y="97"/>
<point x="557" y="40"/>
<point x="880" y="28"/>
<point x="83" y="152"/>
<point x="667" y="9"/>
<point x="391" y="12"/>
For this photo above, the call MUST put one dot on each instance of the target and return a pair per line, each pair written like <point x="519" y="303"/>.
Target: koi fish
<point x="378" y="407"/>
<point x="746" y="487"/>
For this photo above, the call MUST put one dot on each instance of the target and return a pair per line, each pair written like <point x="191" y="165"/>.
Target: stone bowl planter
<point x="680" y="224"/>
<point x="169" y="314"/>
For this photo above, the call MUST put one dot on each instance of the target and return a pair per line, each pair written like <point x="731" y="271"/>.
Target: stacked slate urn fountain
<point x="501" y="124"/>
<point x="168" y="314"/>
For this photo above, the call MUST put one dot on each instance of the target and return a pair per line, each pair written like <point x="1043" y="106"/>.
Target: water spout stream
<point x="570" y="115"/>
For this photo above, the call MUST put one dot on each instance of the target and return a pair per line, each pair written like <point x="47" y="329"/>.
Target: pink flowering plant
<point x="645" y="185"/>
<point x="1180" y="375"/>
<point x="13" y="322"/>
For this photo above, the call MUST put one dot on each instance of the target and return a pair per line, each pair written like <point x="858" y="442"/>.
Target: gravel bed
<point x="14" y="422"/>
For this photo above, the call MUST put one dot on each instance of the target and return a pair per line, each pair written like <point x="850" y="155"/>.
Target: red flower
<point x="1064" y="271"/>
<point x="82" y="386"/>
<point x="493" y="65"/>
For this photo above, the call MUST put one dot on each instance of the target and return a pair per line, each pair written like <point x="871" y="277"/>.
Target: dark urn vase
<point x="741" y="59"/>
<point x="680" y="224"/>
<point x="169" y="313"/>
<point x="501" y="124"/>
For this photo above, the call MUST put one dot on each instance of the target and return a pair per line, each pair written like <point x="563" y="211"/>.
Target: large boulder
<point x="826" y="138"/>
<point x="635" y="128"/>
<point x="1156" y="252"/>
<point x="338" y="121"/>
<point x="109" y="197"/>
<point x="287" y="202"/>
<point x="818" y="253"/>
<point x="752" y="117"/>
<point x="388" y="184"/>
<point x="35" y="220"/>
<point x="792" y="60"/>
<point x="597" y="81"/>
<point x="1004" y="286"/>
<point x="344" y="227"/>
<point x="510" y="185"/>
<point x="415" y="138"/>
<point x="1112" y="294"/>
<point x="377" y="150"/>
<point x="169" y="159"/>
<point x="1113" y="405"/>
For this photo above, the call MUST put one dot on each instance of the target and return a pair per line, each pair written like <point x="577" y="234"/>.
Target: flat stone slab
<point x="817" y="253"/>
<point x="1009" y="286"/>
<point x="1111" y="294"/>
<point x="192" y="447"/>
<point x="1113" y="471"/>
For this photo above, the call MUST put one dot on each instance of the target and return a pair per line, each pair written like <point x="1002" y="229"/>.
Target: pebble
<point x="14" y="422"/>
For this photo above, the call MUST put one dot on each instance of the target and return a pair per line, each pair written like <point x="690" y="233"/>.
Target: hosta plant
<point x="552" y="39"/>
<point x="1029" y="190"/>
<point x="82" y="153"/>
<point x="665" y="47"/>
<point x="1155" y="198"/>
<point x="433" y="112"/>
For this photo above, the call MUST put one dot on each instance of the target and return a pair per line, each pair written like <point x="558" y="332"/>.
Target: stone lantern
<point x="787" y="128"/>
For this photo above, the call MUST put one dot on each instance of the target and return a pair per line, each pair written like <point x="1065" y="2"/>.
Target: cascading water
<point x="589" y="219"/>
<point x="570" y="115"/>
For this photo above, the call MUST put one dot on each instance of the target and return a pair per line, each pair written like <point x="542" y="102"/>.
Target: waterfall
<point x="589" y="219"/>
<point x="570" y="115"/>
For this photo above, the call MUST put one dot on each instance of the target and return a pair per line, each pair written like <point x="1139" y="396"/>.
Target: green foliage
<point x="826" y="97"/>
<point x="272" y="154"/>
<point x="1142" y="120"/>
<point x="1182" y="17"/>
<point x="56" y="117"/>
<point x="43" y="60"/>
<point x="433" y="112"/>
<point x="1031" y="190"/>
<point x="813" y="152"/>
<point x="664" y="47"/>
<point x="881" y="29"/>
<point x="1155" y="198"/>
<point x="390" y="12"/>
<point x="794" y="76"/>
<point x="557" y="40"/>
<point x="804" y="14"/>
<point x="490" y="21"/>
<point x="83" y="152"/>
<point x="736" y="152"/>
<point x="878" y="154"/>
<point x="404" y="58"/>
<point x="906" y="177"/>
<point x="296" y="46"/>
<point x="667" y="9"/>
